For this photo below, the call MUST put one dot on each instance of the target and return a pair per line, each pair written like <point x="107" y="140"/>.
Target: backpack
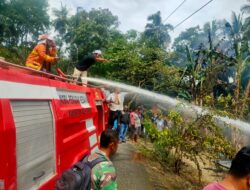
<point x="78" y="177"/>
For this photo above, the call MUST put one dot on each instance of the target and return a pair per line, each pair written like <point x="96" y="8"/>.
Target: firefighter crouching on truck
<point x="43" y="55"/>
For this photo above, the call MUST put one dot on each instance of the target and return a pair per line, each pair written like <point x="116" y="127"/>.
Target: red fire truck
<point x="47" y="124"/>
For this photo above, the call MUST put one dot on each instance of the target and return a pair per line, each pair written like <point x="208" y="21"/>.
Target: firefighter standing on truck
<point x="83" y="65"/>
<point x="43" y="55"/>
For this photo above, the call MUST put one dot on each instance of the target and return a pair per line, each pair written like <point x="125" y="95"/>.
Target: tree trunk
<point x="193" y="89"/>
<point x="247" y="94"/>
<point x="237" y="92"/>
<point x="201" y="94"/>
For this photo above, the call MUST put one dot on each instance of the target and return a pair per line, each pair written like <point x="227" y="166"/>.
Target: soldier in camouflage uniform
<point x="103" y="175"/>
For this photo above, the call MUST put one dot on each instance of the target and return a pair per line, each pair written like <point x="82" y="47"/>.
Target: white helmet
<point x="99" y="52"/>
<point x="45" y="37"/>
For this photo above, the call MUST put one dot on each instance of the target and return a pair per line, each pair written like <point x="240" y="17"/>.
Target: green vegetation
<point x="198" y="141"/>
<point x="206" y="65"/>
<point x="196" y="68"/>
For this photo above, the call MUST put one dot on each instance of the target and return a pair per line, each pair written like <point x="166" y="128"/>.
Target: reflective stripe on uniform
<point x="34" y="52"/>
<point x="34" y="65"/>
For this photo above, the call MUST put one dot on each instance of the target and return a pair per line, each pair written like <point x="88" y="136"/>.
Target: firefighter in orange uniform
<point x="43" y="55"/>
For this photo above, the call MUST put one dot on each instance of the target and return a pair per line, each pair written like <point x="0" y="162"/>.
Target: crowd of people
<point x="159" y="118"/>
<point x="123" y="120"/>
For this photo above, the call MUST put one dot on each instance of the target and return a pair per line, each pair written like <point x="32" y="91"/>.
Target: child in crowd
<point x="125" y="119"/>
<point x="135" y="125"/>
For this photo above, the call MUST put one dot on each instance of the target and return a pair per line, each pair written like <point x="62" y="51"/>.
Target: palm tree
<point x="61" y="25"/>
<point x="246" y="9"/>
<point x="158" y="32"/>
<point x="240" y="46"/>
<point x="235" y="27"/>
<point x="61" y="21"/>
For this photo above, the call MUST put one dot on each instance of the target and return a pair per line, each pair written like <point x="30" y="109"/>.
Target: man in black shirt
<point x="83" y="65"/>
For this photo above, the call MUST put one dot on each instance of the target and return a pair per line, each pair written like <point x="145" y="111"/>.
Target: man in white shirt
<point x="115" y="100"/>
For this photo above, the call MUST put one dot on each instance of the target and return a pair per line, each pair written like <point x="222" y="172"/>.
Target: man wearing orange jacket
<point x="43" y="55"/>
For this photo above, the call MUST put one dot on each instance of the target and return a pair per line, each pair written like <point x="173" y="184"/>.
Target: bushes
<point x="15" y="55"/>
<point x="196" y="141"/>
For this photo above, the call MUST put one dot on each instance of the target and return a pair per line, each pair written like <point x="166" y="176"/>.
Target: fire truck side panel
<point x="7" y="147"/>
<point x="105" y="110"/>
<point x="100" y="117"/>
<point x="72" y="134"/>
<point x="75" y="129"/>
<point x="17" y="75"/>
<point x="64" y="117"/>
<point x="35" y="144"/>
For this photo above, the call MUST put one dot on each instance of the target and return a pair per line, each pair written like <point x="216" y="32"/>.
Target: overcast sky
<point x="133" y="14"/>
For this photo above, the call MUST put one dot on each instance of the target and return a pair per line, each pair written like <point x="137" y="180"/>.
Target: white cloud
<point x="133" y="13"/>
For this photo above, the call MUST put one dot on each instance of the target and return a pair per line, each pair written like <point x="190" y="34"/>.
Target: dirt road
<point x="134" y="172"/>
<point x="131" y="173"/>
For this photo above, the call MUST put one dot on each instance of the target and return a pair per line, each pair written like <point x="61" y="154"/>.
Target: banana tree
<point x="195" y="74"/>
<point x="247" y="90"/>
<point x="241" y="51"/>
<point x="203" y="71"/>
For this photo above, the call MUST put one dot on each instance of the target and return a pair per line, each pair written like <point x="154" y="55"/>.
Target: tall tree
<point x="156" y="32"/>
<point x="90" y="30"/>
<point x="193" y="38"/>
<point x="246" y="10"/>
<point x="61" y="21"/>
<point x="246" y="7"/>
<point x="241" y="54"/>
<point x="21" y="21"/>
<point x="3" y="19"/>
<point x="24" y="20"/>
<point x="135" y="63"/>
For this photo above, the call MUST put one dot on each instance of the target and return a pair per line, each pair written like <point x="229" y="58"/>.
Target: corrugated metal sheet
<point x="34" y="142"/>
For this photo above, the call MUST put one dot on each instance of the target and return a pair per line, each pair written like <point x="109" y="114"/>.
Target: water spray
<point x="241" y="131"/>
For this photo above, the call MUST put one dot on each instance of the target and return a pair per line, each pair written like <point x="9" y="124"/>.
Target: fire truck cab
<point x="47" y="124"/>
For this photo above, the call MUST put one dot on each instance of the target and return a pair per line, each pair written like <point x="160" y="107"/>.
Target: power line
<point x="193" y="13"/>
<point x="174" y="11"/>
